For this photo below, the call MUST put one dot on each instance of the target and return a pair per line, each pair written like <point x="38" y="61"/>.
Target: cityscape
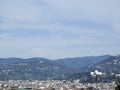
<point x="54" y="85"/>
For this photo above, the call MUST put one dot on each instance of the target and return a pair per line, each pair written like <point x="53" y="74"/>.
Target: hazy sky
<point x="59" y="28"/>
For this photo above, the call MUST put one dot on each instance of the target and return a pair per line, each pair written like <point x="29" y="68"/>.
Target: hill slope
<point x="39" y="69"/>
<point x="80" y="62"/>
<point x="110" y="67"/>
<point x="9" y="61"/>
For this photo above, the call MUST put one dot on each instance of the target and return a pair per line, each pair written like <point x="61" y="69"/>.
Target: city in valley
<point x="54" y="85"/>
<point x="44" y="74"/>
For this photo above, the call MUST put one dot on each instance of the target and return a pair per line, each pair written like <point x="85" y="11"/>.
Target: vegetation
<point x="42" y="69"/>
<point x="117" y="84"/>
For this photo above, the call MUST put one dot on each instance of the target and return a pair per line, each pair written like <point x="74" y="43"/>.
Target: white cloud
<point x="45" y="10"/>
<point x="93" y="10"/>
<point x="77" y="26"/>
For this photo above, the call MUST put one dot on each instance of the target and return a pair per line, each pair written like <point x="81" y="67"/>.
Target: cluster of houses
<point x="53" y="85"/>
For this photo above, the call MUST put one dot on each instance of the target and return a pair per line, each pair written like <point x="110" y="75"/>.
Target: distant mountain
<point x="80" y="62"/>
<point x="36" y="70"/>
<point x="8" y="61"/>
<point x="76" y="62"/>
<point x="110" y="67"/>
<point x="69" y="68"/>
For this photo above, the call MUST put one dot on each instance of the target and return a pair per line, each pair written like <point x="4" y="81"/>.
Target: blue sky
<point x="59" y="28"/>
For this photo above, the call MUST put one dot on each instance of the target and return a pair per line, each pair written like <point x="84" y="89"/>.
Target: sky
<point x="59" y="28"/>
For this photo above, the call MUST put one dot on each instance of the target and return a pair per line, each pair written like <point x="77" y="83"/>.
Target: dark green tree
<point x="117" y="84"/>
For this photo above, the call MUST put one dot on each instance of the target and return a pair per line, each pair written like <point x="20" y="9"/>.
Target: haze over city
<point x="58" y="29"/>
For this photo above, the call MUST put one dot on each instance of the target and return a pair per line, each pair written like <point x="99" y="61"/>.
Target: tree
<point x="117" y="84"/>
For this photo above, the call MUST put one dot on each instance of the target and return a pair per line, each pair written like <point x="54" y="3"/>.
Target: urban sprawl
<point x="53" y="85"/>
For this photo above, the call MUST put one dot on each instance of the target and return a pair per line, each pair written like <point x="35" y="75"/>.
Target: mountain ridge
<point x="42" y="68"/>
